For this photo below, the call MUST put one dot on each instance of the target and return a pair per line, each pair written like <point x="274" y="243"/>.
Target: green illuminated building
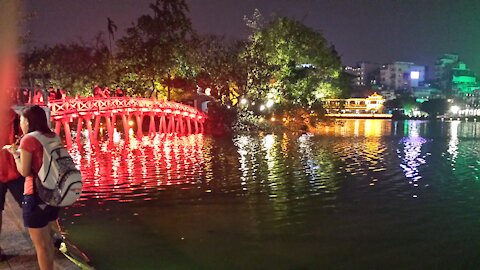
<point x="454" y="77"/>
<point x="464" y="80"/>
<point x="443" y="70"/>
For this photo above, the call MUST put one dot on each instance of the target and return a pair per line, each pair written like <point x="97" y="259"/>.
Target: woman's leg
<point x="16" y="189"/>
<point x="43" y="246"/>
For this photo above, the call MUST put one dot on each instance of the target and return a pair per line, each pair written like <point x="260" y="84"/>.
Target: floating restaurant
<point x="369" y="107"/>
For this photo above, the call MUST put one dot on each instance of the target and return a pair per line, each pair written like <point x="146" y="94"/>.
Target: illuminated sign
<point x="415" y="75"/>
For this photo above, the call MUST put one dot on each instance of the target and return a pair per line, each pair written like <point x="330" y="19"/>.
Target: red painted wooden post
<point x="163" y="124"/>
<point x="139" y="126"/>
<point x="108" y="121"/>
<point x="114" y="122"/>
<point x="182" y="125"/>
<point x="98" y="118"/>
<point x="68" y="135"/>
<point x="126" y="127"/>
<point x="177" y="125"/>
<point x="58" y="126"/>
<point x="152" y="128"/>
<point x="171" y="124"/>
<point x="88" y="123"/>
<point x="79" y="128"/>
<point x="189" y="126"/>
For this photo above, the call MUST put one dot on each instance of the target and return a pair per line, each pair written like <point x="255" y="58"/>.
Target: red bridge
<point x="172" y="117"/>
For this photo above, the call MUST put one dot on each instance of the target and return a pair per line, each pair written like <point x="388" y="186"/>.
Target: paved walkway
<point x="17" y="246"/>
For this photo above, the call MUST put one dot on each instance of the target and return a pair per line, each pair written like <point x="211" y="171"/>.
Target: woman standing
<point x="36" y="214"/>
<point x="10" y="179"/>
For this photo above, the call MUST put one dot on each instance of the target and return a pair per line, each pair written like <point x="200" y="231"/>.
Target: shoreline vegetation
<point x="226" y="122"/>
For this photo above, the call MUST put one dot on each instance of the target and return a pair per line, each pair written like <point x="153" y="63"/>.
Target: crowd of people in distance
<point x="53" y="94"/>
<point x="40" y="96"/>
<point x="106" y="92"/>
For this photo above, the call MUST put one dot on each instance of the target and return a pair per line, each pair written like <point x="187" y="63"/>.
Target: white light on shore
<point x="454" y="109"/>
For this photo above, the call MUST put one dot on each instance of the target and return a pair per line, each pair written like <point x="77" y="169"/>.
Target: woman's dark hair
<point x="37" y="119"/>
<point x="16" y="124"/>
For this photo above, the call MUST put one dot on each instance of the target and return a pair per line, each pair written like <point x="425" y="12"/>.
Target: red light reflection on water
<point x="132" y="170"/>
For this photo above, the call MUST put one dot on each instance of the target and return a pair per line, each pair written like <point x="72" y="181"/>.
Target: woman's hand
<point x="13" y="149"/>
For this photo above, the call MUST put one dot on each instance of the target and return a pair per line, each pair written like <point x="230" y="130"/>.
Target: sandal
<point x="57" y="241"/>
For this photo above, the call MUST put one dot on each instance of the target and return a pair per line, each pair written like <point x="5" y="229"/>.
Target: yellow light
<point x="272" y="119"/>
<point x="130" y="123"/>
<point x="284" y="119"/>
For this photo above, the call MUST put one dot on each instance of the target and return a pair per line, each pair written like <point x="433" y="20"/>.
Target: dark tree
<point x="155" y="49"/>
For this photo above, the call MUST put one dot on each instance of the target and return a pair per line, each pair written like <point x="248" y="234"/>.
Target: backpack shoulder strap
<point x="44" y="140"/>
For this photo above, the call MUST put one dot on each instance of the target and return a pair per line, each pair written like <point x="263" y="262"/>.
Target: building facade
<point x="365" y="74"/>
<point x="402" y="76"/>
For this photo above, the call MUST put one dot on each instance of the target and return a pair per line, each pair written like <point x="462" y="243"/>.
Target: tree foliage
<point x="75" y="67"/>
<point x="290" y="62"/>
<point x="154" y="50"/>
<point x="218" y="65"/>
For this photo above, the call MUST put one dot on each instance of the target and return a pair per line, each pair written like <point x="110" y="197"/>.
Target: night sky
<point x="362" y="30"/>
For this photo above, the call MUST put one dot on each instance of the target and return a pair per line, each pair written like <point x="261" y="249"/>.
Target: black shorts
<point x="37" y="214"/>
<point x="15" y="187"/>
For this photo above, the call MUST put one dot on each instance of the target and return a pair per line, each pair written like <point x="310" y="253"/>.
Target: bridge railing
<point x="89" y="105"/>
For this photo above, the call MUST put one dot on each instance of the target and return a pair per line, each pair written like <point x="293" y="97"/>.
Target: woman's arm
<point x="24" y="162"/>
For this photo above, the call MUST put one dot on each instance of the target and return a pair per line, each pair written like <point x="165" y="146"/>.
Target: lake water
<point x="365" y="194"/>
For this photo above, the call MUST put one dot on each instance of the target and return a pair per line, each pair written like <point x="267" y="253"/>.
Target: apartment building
<point x="402" y="76"/>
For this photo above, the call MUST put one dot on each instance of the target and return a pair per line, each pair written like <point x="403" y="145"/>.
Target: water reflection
<point x="280" y="166"/>
<point x="453" y="143"/>
<point x="356" y="128"/>
<point x="125" y="170"/>
<point x="410" y="153"/>
<point x="260" y="195"/>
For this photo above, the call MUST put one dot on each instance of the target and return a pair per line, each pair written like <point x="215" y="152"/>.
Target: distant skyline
<point x="380" y="31"/>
